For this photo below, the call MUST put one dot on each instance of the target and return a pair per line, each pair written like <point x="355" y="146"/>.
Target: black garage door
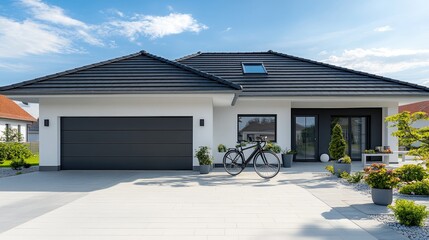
<point x="126" y="143"/>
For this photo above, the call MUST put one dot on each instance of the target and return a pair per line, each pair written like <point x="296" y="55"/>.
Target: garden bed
<point x="414" y="233"/>
<point x="7" y="172"/>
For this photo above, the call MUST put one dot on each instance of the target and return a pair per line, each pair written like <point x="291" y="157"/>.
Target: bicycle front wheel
<point x="266" y="164"/>
<point x="233" y="162"/>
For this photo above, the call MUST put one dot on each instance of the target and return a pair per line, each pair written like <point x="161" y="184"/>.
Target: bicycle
<point x="265" y="162"/>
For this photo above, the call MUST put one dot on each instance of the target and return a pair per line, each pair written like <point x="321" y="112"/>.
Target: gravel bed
<point x="414" y="233"/>
<point x="7" y="172"/>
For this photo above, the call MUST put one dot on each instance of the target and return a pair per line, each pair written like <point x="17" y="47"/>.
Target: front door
<point x="355" y="133"/>
<point x="306" y="138"/>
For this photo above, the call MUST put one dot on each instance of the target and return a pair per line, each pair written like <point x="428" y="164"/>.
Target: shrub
<point x="355" y="177"/>
<point x="411" y="172"/>
<point x="289" y="151"/>
<point x="337" y="146"/>
<point x="346" y="160"/>
<point x="416" y="188"/>
<point x="344" y="175"/>
<point x="330" y="169"/>
<point x="14" y="151"/>
<point x="203" y="155"/>
<point x="409" y="213"/>
<point x="221" y="148"/>
<point x="380" y="177"/>
<point x="241" y="144"/>
<point x="17" y="164"/>
<point x="272" y="147"/>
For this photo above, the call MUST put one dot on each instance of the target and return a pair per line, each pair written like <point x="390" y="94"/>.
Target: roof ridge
<point x="188" y="56"/>
<point x="193" y="70"/>
<point x="39" y="79"/>
<point x="350" y="70"/>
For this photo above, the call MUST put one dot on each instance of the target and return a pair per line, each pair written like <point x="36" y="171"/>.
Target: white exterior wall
<point x="388" y="139"/>
<point x="14" y="125"/>
<point x="55" y="108"/>
<point x="225" y="122"/>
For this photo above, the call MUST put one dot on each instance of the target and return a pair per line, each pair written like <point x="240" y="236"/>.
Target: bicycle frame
<point x="258" y="148"/>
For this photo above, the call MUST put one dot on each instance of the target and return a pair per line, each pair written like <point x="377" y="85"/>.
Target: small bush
<point x="330" y="169"/>
<point x="14" y="151"/>
<point x="355" y="177"/>
<point x="203" y="155"/>
<point x="17" y="164"/>
<point x="344" y="175"/>
<point x="221" y="148"/>
<point x="380" y="177"/>
<point x="408" y="213"/>
<point x="272" y="147"/>
<point x="411" y="172"/>
<point x="346" y="160"/>
<point x="416" y="188"/>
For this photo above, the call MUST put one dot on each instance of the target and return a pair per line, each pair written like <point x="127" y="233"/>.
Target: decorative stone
<point x="324" y="158"/>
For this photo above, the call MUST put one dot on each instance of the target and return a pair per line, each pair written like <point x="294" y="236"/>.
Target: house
<point x="143" y="111"/>
<point x="417" y="107"/>
<point x="33" y="132"/>
<point x="14" y="117"/>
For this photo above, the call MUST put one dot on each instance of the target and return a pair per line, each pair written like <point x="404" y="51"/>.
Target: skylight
<point x="253" y="68"/>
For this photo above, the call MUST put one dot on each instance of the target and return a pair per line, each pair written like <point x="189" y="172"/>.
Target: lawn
<point x="33" y="161"/>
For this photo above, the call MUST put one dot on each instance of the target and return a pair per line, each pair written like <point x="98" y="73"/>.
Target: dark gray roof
<point x="136" y="73"/>
<point x="294" y="76"/>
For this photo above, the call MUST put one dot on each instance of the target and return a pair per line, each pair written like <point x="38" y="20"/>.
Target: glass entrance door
<point x="306" y="137"/>
<point x="355" y="133"/>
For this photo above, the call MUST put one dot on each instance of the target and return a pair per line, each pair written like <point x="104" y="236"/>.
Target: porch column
<point x="388" y="139"/>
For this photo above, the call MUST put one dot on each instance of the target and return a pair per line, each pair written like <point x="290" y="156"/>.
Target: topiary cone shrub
<point x="337" y="146"/>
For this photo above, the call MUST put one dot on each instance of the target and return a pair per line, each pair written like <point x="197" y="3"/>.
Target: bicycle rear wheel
<point x="233" y="162"/>
<point x="266" y="164"/>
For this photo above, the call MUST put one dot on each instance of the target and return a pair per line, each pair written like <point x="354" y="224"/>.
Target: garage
<point x="126" y="143"/>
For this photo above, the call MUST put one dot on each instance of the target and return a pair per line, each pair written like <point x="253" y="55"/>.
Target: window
<point x="254" y="68"/>
<point x="252" y="126"/>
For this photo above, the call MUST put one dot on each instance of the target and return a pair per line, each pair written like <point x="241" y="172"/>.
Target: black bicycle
<point x="265" y="162"/>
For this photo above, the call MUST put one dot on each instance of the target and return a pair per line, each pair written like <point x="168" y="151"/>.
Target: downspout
<point x="234" y="100"/>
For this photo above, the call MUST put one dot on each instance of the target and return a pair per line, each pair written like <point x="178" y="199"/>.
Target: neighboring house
<point x="14" y="117"/>
<point x="417" y="107"/>
<point x="142" y="111"/>
<point x="33" y="132"/>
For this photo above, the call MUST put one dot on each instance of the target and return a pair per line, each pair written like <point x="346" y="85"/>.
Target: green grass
<point x="33" y="161"/>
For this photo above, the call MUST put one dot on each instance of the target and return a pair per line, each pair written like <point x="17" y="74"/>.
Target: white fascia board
<point x="219" y="99"/>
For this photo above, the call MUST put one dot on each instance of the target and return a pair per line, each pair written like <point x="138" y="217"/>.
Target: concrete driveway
<point x="165" y="205"/>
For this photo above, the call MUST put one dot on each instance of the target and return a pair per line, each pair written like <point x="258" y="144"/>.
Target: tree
<point x="11" y="135"/>
<point x="409" y="135"/>
<point x="337" y="146"/>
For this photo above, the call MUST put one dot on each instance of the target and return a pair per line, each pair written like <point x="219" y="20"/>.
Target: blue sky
<point x="40" y="37"/>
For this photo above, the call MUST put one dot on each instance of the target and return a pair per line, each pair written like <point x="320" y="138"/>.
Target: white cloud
<point x="170" y="8"/>
<point x="156" y="26"/>
<point x="228" y="29"/>
<point x="55" y="15"/>
<point x="386" y="28"/>
<point x="19" y="39"/>
<point x="381" y="60"/>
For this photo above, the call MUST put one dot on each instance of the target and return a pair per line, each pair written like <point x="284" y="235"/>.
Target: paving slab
<point x="183" y="205"/>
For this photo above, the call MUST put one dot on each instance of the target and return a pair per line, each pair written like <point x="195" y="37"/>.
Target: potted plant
<point x="204" y="158"/>
<point x="337" y="150"/>
<point x="382" y="181"/>
<point x="272" y="147"/>
<point x="287" y="157"/>
<point x="221" y="148"/>
<point x="343" y="164"/>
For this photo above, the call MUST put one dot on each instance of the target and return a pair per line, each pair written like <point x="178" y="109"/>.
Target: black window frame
<point x="257" y="115"/>
<point x="254" y="63"/>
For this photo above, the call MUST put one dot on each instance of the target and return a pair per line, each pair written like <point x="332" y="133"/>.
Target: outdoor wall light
<point x="46" y="122"/>
<point x="201" y="122"/>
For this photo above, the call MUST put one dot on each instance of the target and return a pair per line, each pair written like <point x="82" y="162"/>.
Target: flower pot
<point x="342" y="167"/>
<point x="382" y="197"/>
<point x="204" y="169"/>
<point x="287" y="160"/>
